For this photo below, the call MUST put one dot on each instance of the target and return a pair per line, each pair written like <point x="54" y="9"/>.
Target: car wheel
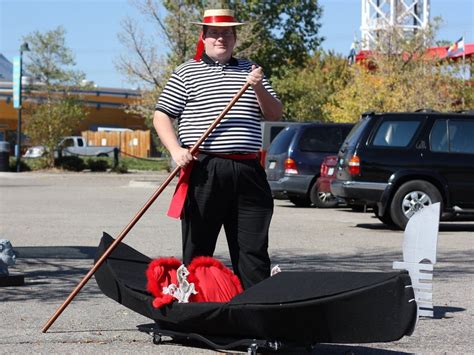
<point x="300" y="201"/>
<point x="322" y="199"/>
<point x="410" y="198"/>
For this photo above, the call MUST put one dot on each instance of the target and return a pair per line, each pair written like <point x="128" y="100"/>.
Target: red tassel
<point x="199" y="48"/>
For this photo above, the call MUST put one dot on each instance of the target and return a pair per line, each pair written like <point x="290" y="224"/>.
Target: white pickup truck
<point x="74" y="145"/>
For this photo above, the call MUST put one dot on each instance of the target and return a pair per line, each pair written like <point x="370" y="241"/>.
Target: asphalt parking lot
<point x="55" y="221"/>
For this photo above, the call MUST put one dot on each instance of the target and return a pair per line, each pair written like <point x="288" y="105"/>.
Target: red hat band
<point x="218" y="19"/>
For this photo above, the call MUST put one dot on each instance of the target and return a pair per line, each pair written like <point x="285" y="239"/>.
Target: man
<point x="227" y="185"/>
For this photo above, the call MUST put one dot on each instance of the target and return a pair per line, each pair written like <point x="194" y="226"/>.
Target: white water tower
<point x="405" y="16"/>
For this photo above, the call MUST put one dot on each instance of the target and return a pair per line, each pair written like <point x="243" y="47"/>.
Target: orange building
<point x="105" y="106"/>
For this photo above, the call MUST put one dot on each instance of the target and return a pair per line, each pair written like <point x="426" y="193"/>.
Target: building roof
<point x="433" y="52"/>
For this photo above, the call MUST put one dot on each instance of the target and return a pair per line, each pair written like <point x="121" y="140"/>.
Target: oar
<point x="140" y="213"/>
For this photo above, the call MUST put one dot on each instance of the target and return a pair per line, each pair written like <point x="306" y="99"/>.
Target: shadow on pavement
<point x="344" y="349"/>
<point x="440" y="312"/>
<point x="50" y="280"/>
<point x="443" y="227"/>
<point x="56" y="252"/>
<point x="293" y="350"/>
<point x="454" y="262"/>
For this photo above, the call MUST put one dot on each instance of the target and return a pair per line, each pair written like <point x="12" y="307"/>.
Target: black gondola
<point x="293" y="307"/>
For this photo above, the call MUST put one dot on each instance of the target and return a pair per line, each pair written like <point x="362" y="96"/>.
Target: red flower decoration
<point x="212" y="280"/>
<point x="161" y="273"/>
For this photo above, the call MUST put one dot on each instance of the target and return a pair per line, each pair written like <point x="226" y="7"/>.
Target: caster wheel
<point x="157" y="339"/>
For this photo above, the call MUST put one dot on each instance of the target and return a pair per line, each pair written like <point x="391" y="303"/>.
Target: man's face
<point x="219" y="42"/>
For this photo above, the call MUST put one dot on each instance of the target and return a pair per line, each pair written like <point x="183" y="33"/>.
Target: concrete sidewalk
<point x="55" y="222"/>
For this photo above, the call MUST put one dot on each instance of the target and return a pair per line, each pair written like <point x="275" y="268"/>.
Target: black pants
<point x="234" y="194"/>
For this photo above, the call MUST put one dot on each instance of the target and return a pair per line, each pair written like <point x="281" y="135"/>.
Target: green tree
<point x="56" y="112"/>
<point x="305" y="90"/>
<point x="400" y="75"/>
<point x="279" y="34"/>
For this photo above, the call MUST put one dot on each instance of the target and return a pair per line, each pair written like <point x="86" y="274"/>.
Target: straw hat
<point x="219" y="18"/>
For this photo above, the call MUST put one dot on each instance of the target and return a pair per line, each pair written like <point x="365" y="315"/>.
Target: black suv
<point x="294" y="159"/>
<point x="401" y="162"/>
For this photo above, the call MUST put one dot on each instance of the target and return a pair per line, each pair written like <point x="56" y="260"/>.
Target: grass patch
<point x="150" y="164"/>
<point x="125" y="164"/>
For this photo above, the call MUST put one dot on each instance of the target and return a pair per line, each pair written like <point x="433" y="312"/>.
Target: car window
<point x="392" y="133"/>
<point x="321" y="139"/>
<point x="439" y="141"/>
<point x="282" y="141"/>
<point x="356" y="132"/>
<point x="454" y="136"/>
<point x="346" y="131"/>
<point x="68" y="143"/>
<point x="274" y="132"/>
<point x="461" y="135"/>
<point x="80" y="142"/>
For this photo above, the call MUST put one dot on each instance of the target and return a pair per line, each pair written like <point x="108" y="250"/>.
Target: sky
<point x="92" y="27"/>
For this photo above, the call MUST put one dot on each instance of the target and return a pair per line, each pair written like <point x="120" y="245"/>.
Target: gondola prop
<point x="301" y="308"/>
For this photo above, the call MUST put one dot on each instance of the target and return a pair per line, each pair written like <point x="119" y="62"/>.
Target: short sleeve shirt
<point x="198" y="91"/>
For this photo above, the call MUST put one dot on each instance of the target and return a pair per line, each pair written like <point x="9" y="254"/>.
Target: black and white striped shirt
<point x="198" y="92"/>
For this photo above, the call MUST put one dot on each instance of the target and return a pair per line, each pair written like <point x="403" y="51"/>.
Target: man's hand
<point x="271" y="107"/>
<point x="182" y="156"/>
<point x="256" y="76"/>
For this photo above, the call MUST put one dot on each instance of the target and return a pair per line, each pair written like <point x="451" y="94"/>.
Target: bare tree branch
<point x="144" y="65"/>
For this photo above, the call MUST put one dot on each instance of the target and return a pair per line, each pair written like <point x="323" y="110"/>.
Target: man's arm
<point x="164" y="128"/>
<point x="271" y="107"/>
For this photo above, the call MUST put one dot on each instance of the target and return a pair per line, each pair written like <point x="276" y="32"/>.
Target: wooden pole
<point x="140" y="213"/>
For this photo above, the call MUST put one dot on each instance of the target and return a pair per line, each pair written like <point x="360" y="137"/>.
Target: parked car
<point x="36" y="151"/>
<point x="73" y="145"/>
<point x="77" y="145"/>
<point x="270" y="130"/>
<point x="402" y="162"/>
<point x="323" y="184"/>
<point x="293" y="160"/>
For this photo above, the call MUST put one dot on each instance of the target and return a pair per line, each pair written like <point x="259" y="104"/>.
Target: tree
<point x="278" y="35"/>
<point x="305" y="90"/>
<point x="142" y="64"/>
<point x="57" y="111"/>
<point x="400" y="75"/>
